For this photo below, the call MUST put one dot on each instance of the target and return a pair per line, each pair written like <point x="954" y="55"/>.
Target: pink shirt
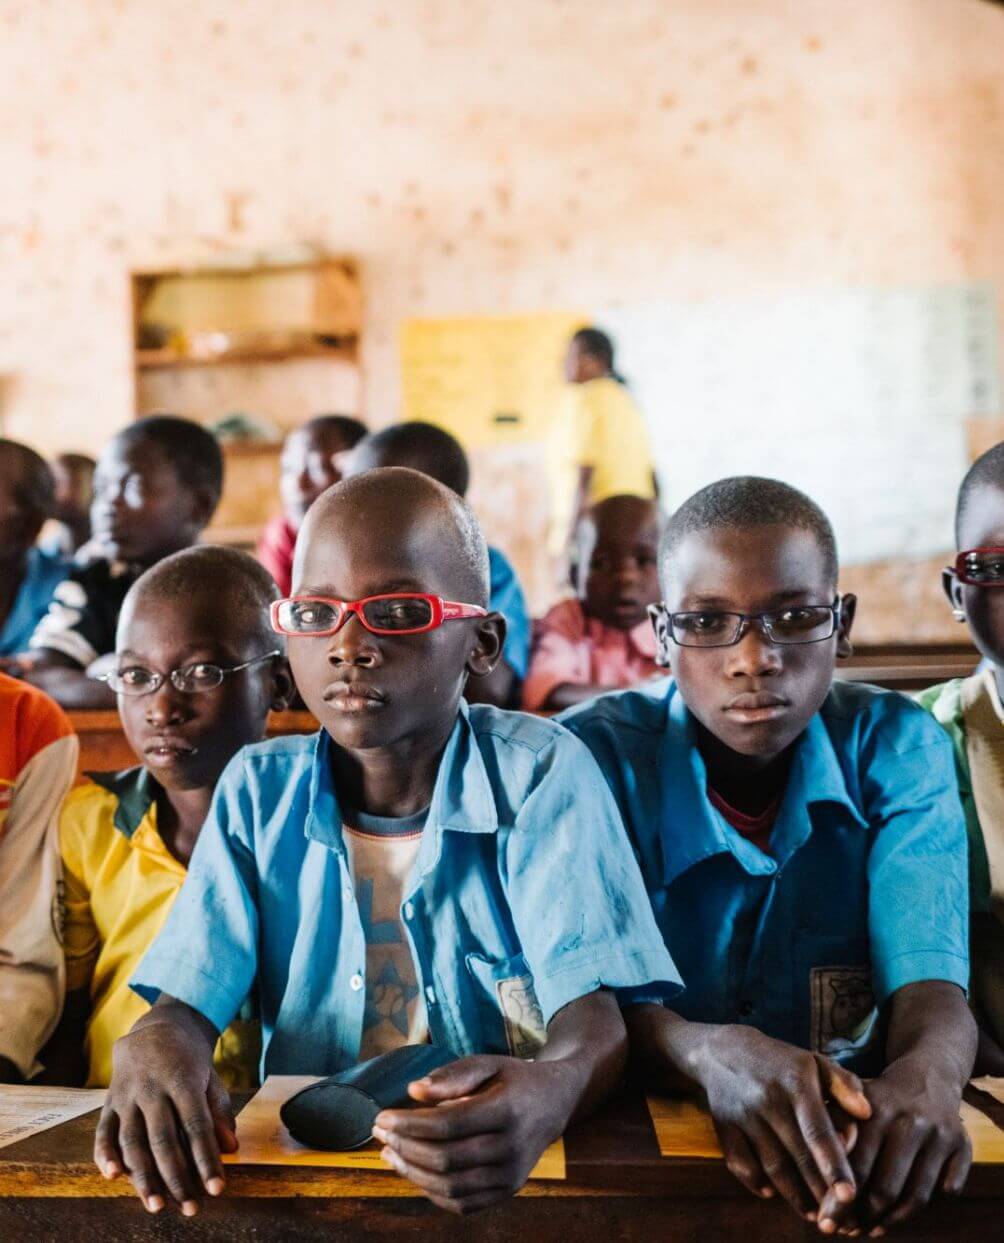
<point x="571" y="647"/>
<point x="275" y="551"/>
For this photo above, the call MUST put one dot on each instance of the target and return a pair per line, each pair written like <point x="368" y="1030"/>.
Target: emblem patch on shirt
<point x="843" y="1008"/>
<point x="525" y="1032"/>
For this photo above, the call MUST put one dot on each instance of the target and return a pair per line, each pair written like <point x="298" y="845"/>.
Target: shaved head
<point x="392" y="508"/>
<point x="29" y="475"/>
<point x="224" y="580"/>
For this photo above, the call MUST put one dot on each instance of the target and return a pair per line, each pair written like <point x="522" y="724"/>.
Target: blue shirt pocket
<point x="833" y="974"/>
<point x="509" y="1013"/>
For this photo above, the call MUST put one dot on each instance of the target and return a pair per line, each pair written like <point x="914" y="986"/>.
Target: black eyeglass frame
<point x="745" y="620"/>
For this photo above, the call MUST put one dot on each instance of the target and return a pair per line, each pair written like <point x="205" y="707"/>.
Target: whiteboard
<point x="856" y="396"/>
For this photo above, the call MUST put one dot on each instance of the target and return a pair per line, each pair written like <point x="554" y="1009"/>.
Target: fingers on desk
<point x="165" y="1147"/>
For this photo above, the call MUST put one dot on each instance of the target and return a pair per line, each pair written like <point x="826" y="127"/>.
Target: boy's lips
<point x="752" y="707"/>
<point x="353" y="697"/>
<point x="166" y="748"/>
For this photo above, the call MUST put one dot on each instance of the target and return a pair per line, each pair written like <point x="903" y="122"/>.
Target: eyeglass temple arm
<point x="453" y="610"/>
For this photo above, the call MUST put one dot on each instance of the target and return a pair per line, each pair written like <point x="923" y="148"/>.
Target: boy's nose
<point x="354" y="645"/>
<point x="165" y="705"/>
<point x="754" y="655"/>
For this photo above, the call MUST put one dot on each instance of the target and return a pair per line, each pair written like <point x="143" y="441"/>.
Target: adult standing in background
<point x="600" y="445"/>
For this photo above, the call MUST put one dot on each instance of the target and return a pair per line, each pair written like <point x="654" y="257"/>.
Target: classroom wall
<point x="478" y="156"/>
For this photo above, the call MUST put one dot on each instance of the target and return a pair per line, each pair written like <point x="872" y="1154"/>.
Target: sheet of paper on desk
<point x="25" y="1110"/>
<point x="683" y="1127"/>
<point x="264" y="1140"/>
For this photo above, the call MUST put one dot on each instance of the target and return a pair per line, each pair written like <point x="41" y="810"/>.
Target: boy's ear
<point x="283" y="686"/>
<point x="204" y="505"/>
<point x="848" y="608"/>
<point x="663" y="638"/>
<point x="953" y="590"/>
<point x="490" y="643"/>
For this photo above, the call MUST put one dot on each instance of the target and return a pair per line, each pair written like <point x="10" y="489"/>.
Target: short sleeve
<point x="586" y="424"/>
<point x="560" y="656"/>
<point x="75" y="624"/>
<point x="207" y="952"/>
<point x="81" y="942"/>
<point x="600" y="931"/>
<point x="917" y="868"/>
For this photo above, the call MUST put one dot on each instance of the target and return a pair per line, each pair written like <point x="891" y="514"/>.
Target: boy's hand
<point x="488" y="1121"/>
<point x="768" y="1101"/>
<point x="913" y="1144"/>
<point x="166" y="1116"/>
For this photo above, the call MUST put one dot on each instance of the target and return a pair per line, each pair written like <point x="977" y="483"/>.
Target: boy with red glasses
<point x="972" y="711"/>
<point x="417" y="871"/>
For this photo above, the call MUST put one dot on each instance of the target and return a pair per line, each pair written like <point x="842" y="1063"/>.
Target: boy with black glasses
<point x="804" y="851"/>
<point x="197" y="670"/>
<point x="972" y="713"/>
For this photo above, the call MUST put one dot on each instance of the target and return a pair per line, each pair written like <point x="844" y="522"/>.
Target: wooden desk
<point x="618" y="1188"/>
<point x="907" y="670"/>
<point x="103" y="747"/>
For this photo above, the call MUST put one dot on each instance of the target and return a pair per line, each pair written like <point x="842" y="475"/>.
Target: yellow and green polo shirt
<point x="120" y="883"/>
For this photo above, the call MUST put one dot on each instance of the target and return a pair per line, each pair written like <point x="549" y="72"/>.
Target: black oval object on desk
<point x="337" y="1113"/>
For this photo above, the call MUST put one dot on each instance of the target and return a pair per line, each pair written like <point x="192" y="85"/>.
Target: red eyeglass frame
<point x="960" y="570"/>
<point x="442" y="611"/>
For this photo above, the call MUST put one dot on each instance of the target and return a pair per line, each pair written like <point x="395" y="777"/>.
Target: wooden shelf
<point x="150" y="360"/>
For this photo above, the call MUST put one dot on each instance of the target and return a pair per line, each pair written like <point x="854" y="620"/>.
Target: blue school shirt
<point x="524" y="897"/>
<point x="865" y="888"/>
<point x="506" y="597"/>
<point x="43" y="574"/>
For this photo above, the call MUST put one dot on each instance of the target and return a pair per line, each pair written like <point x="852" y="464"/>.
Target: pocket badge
<point x="525" y="1032"/>
<point x="843" y="1008"/>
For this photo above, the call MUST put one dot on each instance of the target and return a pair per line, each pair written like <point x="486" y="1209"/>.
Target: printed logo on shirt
<point x="525" y="1032"/>
<point x="843" y="1009"/>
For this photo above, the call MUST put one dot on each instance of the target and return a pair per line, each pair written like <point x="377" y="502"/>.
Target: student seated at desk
<point x="197" y="671"/>
<point x="38" y="761"/>
<point x="156" y="486"/>
<point x="310" y="462"/>
<point x="603" y="639"/>
<point x="433" y="451"/>
<point x="28" y="576"/>
<point x="972" y="711"/>
<point x="804" y="849"/>
<point x="382" y="882"/>
<point x="70" y="528"/>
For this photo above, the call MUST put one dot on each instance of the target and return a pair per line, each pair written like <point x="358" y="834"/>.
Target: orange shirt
<point x="38" y="762"/>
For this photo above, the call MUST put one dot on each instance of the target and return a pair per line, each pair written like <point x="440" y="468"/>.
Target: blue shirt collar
<point x="462" y="798"/>
<point x="693" y="831"/>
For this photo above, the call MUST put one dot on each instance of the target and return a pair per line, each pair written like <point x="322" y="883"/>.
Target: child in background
<point x="434" y="452"/>
<point x="602" y="640"/>
<point x="70" y="528"/>
<point x="156" y="487"/>
<point x="383" y="882"/>
<point x="310" y="463"/>
<point x="38" y="761"/>
<point x="28" y="576"/>
<point x="972" y="712"/>
<point x="197" y="671"/>
<point x="805" y="853"/>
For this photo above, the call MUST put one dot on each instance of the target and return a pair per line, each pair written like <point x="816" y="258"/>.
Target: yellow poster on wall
<point x="487" y="379"/>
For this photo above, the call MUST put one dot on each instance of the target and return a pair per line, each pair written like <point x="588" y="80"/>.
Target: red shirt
<point x="275" y="551"/>
<point x="756" y="829"/>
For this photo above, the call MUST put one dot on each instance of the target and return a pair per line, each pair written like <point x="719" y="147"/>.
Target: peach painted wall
<point x="478" y="156"/>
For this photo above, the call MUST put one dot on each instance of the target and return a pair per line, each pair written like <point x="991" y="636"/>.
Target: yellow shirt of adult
<point x="599" y="427"/>
<point x="120" y="883"/>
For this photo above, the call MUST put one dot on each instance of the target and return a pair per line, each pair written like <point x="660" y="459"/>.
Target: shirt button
<point x="409" y="910"/>
<point x="746" y="1010"/>
<point x="356" y="983"/>
<point x="430" y="995"/>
